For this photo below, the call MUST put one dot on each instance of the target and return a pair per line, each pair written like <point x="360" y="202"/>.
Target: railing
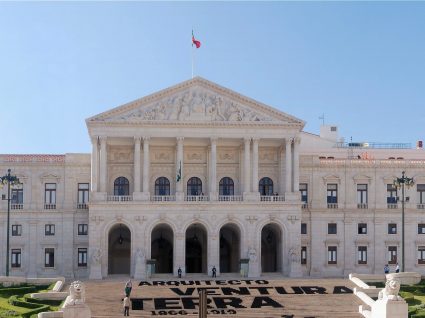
<point x="82" y="206"/>
<point x="421" y="206"/>
<point x="230" y="198"/>
<point x="120" y="198"/>
<point x="16" y="206"/>
<point x="163" y="198"/>
<point x="272" y="198"/>
<point x="361" y="205"/>
<point x="196" y="198"/>
<point x="392" y="205"/>
<point x="49" y="206"/>
<point x="332" y="205"/>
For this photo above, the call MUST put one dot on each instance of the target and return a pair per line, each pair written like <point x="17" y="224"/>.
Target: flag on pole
<point x="195" y="41"/>
<point x="179" y="173"/>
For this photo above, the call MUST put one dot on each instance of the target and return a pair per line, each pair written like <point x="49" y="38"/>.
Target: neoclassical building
<point x="197" y="176"/>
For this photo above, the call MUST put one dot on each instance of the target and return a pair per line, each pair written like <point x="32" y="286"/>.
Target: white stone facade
<point x="221" y="146"/>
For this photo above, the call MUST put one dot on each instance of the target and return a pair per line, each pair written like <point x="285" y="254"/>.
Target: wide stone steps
<point x="265" y="298"/>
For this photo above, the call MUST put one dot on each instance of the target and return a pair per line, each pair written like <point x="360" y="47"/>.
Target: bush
<point x="35" y="311"/>
<point x="6" y="292"/>
<point x="420" y="314"/>
<point x="50" y="302"/>
<point x="13" y="300"/>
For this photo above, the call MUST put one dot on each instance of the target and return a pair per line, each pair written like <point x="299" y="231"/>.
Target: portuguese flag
<point x="195" y="41"/>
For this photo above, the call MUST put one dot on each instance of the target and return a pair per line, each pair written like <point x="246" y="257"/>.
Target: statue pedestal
<point x="95" y="271"/>
<point x="296" y="270"/>
<point x="254" y="270"/>
<point x="140" y="271"/>
<point x="385" y="308"/>
<point x="77" y="311"/>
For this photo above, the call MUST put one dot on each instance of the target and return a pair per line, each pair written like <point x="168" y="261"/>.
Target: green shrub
<point x="420" y="314"/>
<point x="13" y="300"/>
<point x="6" y="292"/>
<point x="35" y="311"/>
<point x="50" y="302"/>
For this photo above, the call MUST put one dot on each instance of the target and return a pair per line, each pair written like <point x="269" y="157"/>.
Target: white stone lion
<point x="77" y="294"/>
<point x="390" y="292"/>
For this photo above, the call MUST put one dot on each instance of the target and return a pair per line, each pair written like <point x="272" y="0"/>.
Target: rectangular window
<point x="49" y="257"/>
<point x="82" y="257"/>
<point x="362" y="228"/>
<point x="303" y="228"/>
<point x="49" y="229"/>
<point x="421" y="254"/>
<point x="362" y="195"/>
<point x="362" y="255"/>
<point x="392" y="228"/>
<point x="421" y="228"/>
<point x="83" y="229"/>
<point x="15" y="259"/>
<point x="304" y="192"/>
<point x="392" y="254"/>
<point x="332" y="257"/>
<point x="331" y="228"/>
<point x="16" y="230"/>
<point x="391" y="194"/>
<point x="303" y="255"/>
<point x="50" y="196"/>
<point x="332" y="193"/>
<point x="17" y="196"/>
<point x="421" y="193"/>
<point x="83" y="195"/>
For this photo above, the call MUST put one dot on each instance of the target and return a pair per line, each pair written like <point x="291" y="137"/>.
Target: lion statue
<point x="77" y="294"/>
<point x="390" y="292"/>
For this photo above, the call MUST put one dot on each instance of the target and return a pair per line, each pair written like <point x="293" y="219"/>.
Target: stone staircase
<point x="268" y="297"/>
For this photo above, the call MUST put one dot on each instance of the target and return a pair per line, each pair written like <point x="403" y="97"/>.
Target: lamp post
<point x="401" y="183"/>
<point x="10" y="181"/>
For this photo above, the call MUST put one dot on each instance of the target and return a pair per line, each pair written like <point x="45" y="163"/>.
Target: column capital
<point x="137" y="139"/>
<point x="296" y="140"/>
<point x="95" y="140"/>
<point x="213" y="139"/>
<point x="247" y="139"/>
<point x="180" y="139"/>
<point x="255" y="139"/>
<point x="103" y="139"/>
<point x="146" y="139"/>
<point x="288" y="140"/>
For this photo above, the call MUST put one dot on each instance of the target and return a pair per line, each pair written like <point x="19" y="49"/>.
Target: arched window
<point x="194" y="186"/>
<point x="226" y="186"/>
<point x="162" y="186"/>
<point x="265" y="186"/>
<point x="121" y="186"/>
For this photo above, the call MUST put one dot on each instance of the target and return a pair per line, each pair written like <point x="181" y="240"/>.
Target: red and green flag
<point x="195" y="41"/>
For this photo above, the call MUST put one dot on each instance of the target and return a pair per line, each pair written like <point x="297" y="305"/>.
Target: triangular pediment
<point x="196" y="101"/>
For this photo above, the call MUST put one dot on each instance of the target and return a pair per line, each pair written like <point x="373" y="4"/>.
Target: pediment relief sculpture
<point x="50" y="177"/>
<point x="227" y="156"/>
<point x="268" y="155"/>
<point x="162" y="156"/>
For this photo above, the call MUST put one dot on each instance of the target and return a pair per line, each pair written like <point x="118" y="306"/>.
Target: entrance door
<point x="271" y="248"/>
<point x="162" y="248"/>
<point x="196" y="249"/>
<point x="229" y="249"/>
<point x="119" y="247"/>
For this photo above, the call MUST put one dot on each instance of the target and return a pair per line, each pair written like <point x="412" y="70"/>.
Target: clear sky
<point x="361" y="64"/>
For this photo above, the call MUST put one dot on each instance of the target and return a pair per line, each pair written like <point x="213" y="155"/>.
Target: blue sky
<point x="361" y="64"/>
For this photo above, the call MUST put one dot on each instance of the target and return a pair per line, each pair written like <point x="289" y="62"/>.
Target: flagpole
<point x="193" y="58"/>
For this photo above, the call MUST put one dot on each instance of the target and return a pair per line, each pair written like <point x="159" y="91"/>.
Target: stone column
<point x="137" y="142"/>
<point x="179" y="170"/>
<point x="296" y="165"/>
<point x="247" y="165"/>
<point x="281" y="156"/>
<point x="94" y="164"/>
<point x="32" y="250"/>
<point x="255" y="165"/>
<point x="103" y="165"/>
<point x="179" y="259"/>
<point x="213" y="170"/>
<point x="288" y="165"/>
<point x="146" y="168"/>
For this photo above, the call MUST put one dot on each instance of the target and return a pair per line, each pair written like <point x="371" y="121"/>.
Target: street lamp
<point x="10" y="181"/>
<point x="400" y="183"/>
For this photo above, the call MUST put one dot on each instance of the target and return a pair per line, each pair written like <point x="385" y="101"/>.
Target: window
<point x="392" y="228"/>
<point x="194" y="186"/>
<point x="332" y="258"/>
<point x="50" y="196"/>
<point x="331" y="228"/>
<point x="83" y="229"/>
<point x="392" y="254"/>
<point x="16" y="230"/>
<point x="421" y="193"/>
<point x="421" y="254"/>
<point x="362" y="255"/>
<point x="49" y="257"/>
<point x="49" y="229"/>
<point x="82" y="257"/>
<point x="17" y="196"/>
<point x="362" y="228"/>
<point x="304" y="192"/>
<point x="265" y="186"/>
<point x="362" y="196"/>
<point x="303" y="255"/>
<point x="83" y="195"/>
<point x="421" y="228"/>
<point x="162" y="186"/>
<point x="332" y="193"/>
<point x="226" y="186"/>
<point x="391" y="194"/>
<point x="121" y="186"/>
<point x="15" y="259"/>
<point x="303" y="228"/>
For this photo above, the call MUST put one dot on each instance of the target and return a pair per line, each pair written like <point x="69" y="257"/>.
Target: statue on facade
<point x="252" y="255"/>
<point x="97" y="256"/>
<point x="140" y="256"/>
<point x="294" y="255"/>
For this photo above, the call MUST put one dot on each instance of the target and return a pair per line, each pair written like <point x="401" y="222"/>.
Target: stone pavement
<point x="227" y="297"/>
